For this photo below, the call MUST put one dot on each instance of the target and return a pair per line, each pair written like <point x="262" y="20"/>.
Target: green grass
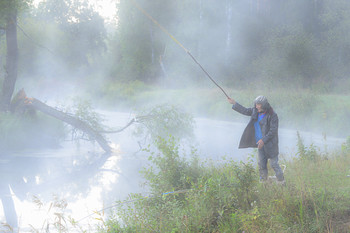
<point x="298" y="109"/>
<point x="227" y="197"/>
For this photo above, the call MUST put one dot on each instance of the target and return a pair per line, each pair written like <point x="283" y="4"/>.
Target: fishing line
<point x="177" y="42"/>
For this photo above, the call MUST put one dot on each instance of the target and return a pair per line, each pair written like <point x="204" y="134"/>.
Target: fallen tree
<point x="21" y="103"/>
<point x="159" y="121"/>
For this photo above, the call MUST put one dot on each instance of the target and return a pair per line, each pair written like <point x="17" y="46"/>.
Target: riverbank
<point x="322" y="113"/>
<point x="216" y="140"/>
<point x="188" y="196"/>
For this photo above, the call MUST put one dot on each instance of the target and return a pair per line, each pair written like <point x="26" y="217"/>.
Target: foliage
<point x="169" y="170"/>
<point x="80" y="27"/>
<point x="346" y="146"/>
<point x="164" y="120"/>
<point x="83" y="110"/>
<point x="264" y="44"/>
<point x="301" y="110"/>
<point x="206" y="193"/>
<point x="192" y="196"/>
<point x="56" y="218"/>
<point x="267" y="45"/>
<point x="8" y="7"/>
<point x="55" y="215"/>
<point x="306" y="153"/>
<point x="21" y="131"/>
<point x="226" y="197"/>
<point x="121" y="92"/>
<point x="138" y="50"/>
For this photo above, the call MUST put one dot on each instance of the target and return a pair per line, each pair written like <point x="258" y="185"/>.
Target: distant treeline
<point x="289" y="43"/>
<point x="266" y="43"/>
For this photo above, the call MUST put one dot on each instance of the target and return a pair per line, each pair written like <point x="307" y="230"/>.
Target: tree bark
<point x="11" y="63"/>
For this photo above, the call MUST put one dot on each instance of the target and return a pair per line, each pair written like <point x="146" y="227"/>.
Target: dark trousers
<point x="263" y="158"/>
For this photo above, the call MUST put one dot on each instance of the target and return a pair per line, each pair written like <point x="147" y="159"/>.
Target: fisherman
<point x="262" y="133"/>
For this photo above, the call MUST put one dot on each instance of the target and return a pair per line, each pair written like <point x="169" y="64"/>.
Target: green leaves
<point x="162" y="121"/>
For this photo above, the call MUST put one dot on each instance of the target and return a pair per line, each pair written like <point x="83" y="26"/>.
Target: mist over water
<point x="89" y="180"/>
<point x="249" y="47"/>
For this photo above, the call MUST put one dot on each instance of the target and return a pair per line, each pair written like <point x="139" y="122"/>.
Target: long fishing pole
<point x="176" y="41"/>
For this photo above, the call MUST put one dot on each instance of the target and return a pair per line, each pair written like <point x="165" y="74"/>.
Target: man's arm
<point x="239" y="108"/>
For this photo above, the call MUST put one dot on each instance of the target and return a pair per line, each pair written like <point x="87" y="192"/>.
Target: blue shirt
<point x="258" y="133"/>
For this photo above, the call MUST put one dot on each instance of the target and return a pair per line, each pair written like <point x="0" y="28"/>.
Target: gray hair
<point x="263" y="101"/>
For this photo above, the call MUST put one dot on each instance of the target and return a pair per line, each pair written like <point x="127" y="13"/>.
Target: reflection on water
<point x="89" y="180"/>
<point x="71" y="176"/>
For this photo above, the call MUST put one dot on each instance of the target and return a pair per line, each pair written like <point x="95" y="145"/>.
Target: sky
<point x="107" y="8"/>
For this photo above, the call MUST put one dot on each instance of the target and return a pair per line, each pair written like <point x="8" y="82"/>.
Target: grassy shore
<point x="192" y="196"/>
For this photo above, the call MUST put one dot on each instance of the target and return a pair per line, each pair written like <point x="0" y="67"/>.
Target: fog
<point x="88" y="180"/>
<point x="68" y="52"/>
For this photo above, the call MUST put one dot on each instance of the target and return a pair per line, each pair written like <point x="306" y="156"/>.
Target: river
<point x="40" y="188"/>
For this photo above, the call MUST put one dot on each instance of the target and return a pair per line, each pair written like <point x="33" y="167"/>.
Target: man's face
<point x="259" y="107"/>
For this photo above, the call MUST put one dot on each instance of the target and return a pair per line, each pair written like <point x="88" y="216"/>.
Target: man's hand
<point x="260" y="144"/>
<point x="231" y="101"/>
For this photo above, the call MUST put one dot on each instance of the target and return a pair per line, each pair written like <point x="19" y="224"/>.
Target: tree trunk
<point x="11" y="63"/>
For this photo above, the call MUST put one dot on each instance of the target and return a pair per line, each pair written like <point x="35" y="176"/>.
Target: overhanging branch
<point x="24" y="101"/>
<point x="119" y="130"/>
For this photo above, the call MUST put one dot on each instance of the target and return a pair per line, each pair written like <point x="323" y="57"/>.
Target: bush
<point x="305" y="153"/>
<point x="163" y="120"/>
<point x="346" y="146"/>
<point x="187" y="195"/>
<point x="207" y="197"/>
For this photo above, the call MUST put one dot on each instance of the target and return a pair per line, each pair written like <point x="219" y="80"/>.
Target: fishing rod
<point x="176" y="41"/>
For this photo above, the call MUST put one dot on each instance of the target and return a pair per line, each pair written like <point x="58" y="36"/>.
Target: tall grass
<point x="227" y="197"/>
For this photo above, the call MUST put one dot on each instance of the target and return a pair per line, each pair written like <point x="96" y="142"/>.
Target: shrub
<point x="187" y="196"/>
<point x="345" y="148"/>
<point x="210" y="197"/>
<point x="307" y="153"/>
<point x="163" y="120"/>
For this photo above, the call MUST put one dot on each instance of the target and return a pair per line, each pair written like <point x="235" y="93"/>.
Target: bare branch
<point x="139" y="119"/>
<point x="120" y="130"/>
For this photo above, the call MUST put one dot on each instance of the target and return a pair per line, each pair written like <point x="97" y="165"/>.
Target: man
<point x="261" y="132"/>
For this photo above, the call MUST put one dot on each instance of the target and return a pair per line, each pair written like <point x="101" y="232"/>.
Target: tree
<point x="139" y="43"/>
<point x="81" y="29"/>
<point x="9" y="20"/>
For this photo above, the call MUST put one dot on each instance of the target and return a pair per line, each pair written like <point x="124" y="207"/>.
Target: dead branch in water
<point x="71" y="120"/>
